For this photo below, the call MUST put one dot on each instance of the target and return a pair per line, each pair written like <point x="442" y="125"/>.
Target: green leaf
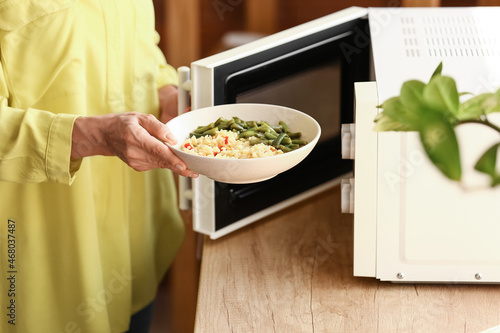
<point x="441" y="145"/>
<point x="473" y="108"/>
<point x="396" y="116"/>
<point x="487" y="164"/>
<point x="412" y="95"/>
<point x="438" y="70"/>
<point x="478" y="106"/>
<point x="492" y="104"/>
<point x="441" y="95"/>
<point x="384" y="123"/>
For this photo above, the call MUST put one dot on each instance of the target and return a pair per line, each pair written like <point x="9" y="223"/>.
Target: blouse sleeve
<point x="35" y="145"/>
<point x="167" y="75"/>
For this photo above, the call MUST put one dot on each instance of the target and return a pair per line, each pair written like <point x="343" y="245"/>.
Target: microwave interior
<point x="314" y="74"/>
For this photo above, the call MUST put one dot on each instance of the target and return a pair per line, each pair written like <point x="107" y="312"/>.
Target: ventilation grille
<point x="448" y="36"/>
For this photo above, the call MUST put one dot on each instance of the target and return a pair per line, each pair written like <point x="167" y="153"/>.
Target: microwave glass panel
<point x="313" y="91"/>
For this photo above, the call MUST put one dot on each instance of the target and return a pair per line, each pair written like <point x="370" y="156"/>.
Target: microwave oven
<point x="410" y="224"/>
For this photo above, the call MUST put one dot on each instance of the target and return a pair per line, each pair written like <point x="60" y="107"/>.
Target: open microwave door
<point x="312" y="68"/>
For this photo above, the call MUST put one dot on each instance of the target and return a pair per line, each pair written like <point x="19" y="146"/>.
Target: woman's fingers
<point x="165" y="157"/>
<point x="155" y="152"/>
<point x="157" y="129"/>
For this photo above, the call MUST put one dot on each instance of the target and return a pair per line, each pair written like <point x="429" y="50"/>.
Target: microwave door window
<point x="313" y="91"/>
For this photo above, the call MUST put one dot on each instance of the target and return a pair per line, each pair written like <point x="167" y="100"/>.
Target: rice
<point x="226" y="144"/>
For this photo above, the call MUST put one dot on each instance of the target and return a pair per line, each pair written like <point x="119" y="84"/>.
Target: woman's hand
<point x="136" y="138"/>
<point x="168" y="103"/>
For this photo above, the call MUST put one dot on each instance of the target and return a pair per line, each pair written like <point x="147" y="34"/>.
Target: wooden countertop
<point x="292" y="272"/>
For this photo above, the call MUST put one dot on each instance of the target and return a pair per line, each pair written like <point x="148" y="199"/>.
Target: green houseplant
<point x="434" y="111"/>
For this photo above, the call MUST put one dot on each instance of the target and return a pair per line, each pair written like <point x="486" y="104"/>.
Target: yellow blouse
<point x="83" y="243"/>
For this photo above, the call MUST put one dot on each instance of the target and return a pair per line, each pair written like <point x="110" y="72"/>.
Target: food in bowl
<point x="236" y="138"/>
<point x="227" y="144"/>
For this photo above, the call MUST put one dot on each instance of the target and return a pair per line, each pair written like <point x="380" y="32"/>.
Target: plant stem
<point x="484" y="122"/>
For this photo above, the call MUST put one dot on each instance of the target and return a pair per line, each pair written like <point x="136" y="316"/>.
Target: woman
<point x="86" y="237"/>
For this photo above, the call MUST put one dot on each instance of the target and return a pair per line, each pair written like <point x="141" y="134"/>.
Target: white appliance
<point x="410" y="223"/>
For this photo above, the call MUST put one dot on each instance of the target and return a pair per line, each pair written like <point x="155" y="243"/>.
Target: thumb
<point x="158" y="129"/>
<point x="167" y="135"/>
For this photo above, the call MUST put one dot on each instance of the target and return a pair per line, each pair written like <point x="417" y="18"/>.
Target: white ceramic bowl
<point x="241" y="171"/>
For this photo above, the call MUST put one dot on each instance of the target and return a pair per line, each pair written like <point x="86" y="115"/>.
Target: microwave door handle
<point x="184" y="89"/>
<point x="183" y="98"/>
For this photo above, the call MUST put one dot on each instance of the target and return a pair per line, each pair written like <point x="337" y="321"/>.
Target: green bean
<point x="268" y="128"/>
<point x="270" y="136"/>
<point x="251" y="124"/>
<point x="278" y="140"/>
<point x="263" y="128"/>
<point x="299" y="142"/>
<point x="285" y="149"/>
<point x="277" y="129"/>
<point x="196" y="135"/>
<point x="236" y="126"/>
<point x="226" y="124"/>
<point x="239" y="121"/>
<point x="285" y="126"/>
<point x="211" y="131"/>
<point x="205" y="128"/>
<point x="246" y="134"/>
<point x="286" y="140"/>
<point x="220" y="121"/>
<point x="295" y="135"/>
